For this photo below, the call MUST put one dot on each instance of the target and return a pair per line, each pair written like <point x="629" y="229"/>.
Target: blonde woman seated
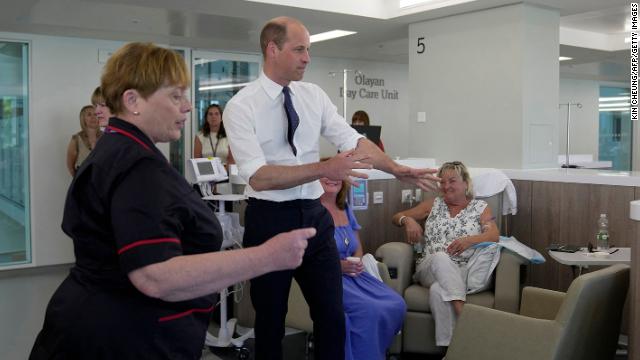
<point x="453" y="222"/>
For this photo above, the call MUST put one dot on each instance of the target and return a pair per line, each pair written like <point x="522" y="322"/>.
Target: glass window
<point x="14" y="154"/>
<point x="217" y="77"/>
<point x="615" y="129"/>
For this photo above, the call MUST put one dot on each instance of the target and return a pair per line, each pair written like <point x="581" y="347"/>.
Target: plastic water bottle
<point x="602" y="237"/>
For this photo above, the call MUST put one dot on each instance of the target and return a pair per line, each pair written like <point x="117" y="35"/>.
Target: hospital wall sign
<point x="369" y="88"/>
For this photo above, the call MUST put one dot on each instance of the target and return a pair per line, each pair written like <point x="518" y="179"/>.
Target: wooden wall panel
<point x="613" y="201"/>
<point x="567" y="213"/>
<point x="577" y="226"/>
<point x="545" y="227"/>
<point x="519" y="225"/>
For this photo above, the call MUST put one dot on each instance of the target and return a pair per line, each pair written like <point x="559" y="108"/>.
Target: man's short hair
<point x="275" y="30"/>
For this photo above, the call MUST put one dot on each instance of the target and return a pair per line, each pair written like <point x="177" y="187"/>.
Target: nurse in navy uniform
<point x="146" y="245"/>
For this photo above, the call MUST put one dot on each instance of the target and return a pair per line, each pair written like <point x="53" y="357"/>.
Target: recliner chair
<point x="418" y="334"/>
<point x="581" y="324"/>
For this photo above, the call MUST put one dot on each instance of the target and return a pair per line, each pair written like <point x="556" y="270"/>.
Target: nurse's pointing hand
<point x="286" y="249"/>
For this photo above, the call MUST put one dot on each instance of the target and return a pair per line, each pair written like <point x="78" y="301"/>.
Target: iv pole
<point x="344" y="88"/>
<point x="569" y="105"/>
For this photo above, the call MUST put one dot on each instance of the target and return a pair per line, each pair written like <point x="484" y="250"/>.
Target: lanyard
<point x="215" y="149"/>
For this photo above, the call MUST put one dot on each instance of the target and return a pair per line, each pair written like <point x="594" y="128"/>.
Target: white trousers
<point x="445" y="280"/>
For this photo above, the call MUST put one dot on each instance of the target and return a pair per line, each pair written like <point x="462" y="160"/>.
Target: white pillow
<point x="480" y="267"/>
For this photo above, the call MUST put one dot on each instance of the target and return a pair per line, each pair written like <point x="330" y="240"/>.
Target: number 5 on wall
<point x="421" y="46"/>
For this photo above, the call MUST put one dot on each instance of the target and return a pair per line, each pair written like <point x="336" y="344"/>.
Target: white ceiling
<point x="234" y="25"/>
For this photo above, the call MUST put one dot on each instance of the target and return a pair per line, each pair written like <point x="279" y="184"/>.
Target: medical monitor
<point x="202" y="170"/>
<point x="371" y="132"/>
<point x="359" y="195"/>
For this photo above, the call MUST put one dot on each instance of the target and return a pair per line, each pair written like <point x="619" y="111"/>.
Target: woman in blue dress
<point x="374" y="312"/>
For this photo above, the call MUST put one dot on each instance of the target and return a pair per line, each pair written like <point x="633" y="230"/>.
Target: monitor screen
<point x="371" y="132"/>
<point x="205" y="168"/>
<point x="359" y="195"/>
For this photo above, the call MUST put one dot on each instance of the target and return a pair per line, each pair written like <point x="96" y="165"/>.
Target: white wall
<point x="488" y="83"/>
<point x="390" y="113"/>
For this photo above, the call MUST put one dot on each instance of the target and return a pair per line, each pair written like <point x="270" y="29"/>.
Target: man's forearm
<point x="377" y="158"/>
<point x="279" y="177"/>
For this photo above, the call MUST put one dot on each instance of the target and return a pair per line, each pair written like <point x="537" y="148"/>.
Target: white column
<point x="488" y="83"/>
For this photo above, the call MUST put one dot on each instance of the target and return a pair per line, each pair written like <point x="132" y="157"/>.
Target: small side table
<point x="583" y="259"/>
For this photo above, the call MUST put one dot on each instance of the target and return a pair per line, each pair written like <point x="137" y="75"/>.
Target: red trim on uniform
<point x="127" y="134"/>
<point x="147" y="242"/>
<point x="185" y="313"/>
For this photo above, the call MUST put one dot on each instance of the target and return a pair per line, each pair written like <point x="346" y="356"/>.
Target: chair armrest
<point x="298" y="310"/>
<point x="398" y="257"/>
<point x="384" y="273"/>
<point x="541" y="303"/>
<point x="507" y="286"/>
<point x="484" y="333"/>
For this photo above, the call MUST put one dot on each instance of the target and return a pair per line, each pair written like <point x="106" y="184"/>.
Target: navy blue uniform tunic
<point x="127" y="208"/>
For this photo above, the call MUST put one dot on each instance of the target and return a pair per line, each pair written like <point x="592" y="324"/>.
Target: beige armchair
<point x="298" y="313"/>
<point x="418" y="334"/>
<point x="581" y="324"/>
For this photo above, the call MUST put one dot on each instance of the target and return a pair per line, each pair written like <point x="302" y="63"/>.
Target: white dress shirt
<point x="256" y="125"/>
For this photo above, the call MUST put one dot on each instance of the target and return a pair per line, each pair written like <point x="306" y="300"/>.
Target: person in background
<point x="361" y="117"/>
<point x="453" y="222"/>
<point x="102" y="111"/>
<point x="211" y="140"/>
<point x="374" y="312"/>
<point x="274" y="126"/>
<point x="146" y="246"/>
<point x="84" y="141"/>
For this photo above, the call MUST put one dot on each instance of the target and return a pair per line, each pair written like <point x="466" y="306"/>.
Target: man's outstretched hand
<point x="423" y="178"/>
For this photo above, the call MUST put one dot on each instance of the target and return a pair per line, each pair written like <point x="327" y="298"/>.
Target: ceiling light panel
<point x="330" y="35"/>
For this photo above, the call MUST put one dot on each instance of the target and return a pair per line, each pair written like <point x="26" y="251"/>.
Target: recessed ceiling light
<point x="432" y="4"/>
<point x="563" y="58"/>
<point x="330" y="35"/>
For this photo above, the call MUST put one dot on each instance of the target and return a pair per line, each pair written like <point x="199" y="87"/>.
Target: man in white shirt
<point x="274" y="125"/>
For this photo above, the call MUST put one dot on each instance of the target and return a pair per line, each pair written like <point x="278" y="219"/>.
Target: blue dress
<point x="374" y="312"/>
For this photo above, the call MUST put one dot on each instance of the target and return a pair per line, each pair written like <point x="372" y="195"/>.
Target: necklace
<point x="343" y="234"/>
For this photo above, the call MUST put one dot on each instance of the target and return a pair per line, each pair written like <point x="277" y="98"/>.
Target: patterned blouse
<point x="441" y="229"/>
